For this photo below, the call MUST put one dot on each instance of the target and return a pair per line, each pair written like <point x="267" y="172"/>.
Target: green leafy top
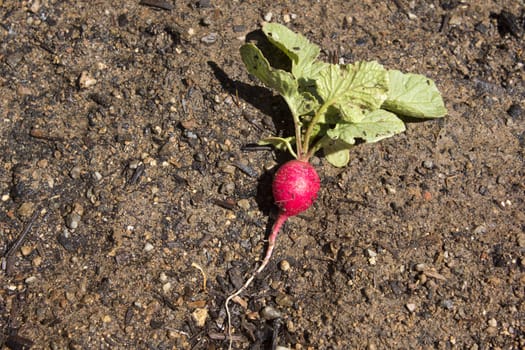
<point x="333" y="105"/>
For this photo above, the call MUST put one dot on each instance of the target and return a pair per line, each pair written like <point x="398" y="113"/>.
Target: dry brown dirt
<point x="130" y="207"/>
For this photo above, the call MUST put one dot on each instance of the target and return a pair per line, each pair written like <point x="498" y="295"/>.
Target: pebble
<point x="270" y="313"/>
<point x="23" y="91"/>
<point x="26" y="210"/>
<point x="411" y="307"/>
<point x="30" y="279"/>
<point x="239" y="28"/>
<point x="134" y="164"/>
<point x="37" y="261"/>
<point x="521" y="241"/>
<point x="371" y="253"/>
<point x="204" y="4"/>
<point x="447" y="304"/>
<point x="290" y="326"/>
<point x="228" y="168"/>
<point x="190" y="134"/>
<point x="166" y="287"/>
<point x="428" y="164"/>
<point x="72" y="220"/>
<point x="421" y="267"/>
<point x="206" y="21"/>
<point x="163" y="277"/>
<point x="26" y="250"/>
<point x="148" y="247"/>
<point x="284" y="300"/>
<point x="492" y="322"/>
<point x="66" y="241"/>
<point x="227" y="188"/>
<point x="210" y="38"/>
<point x="42" y="163"/>
<point x="284" y="265"/>
<point x="35" y="6"/>
<point x="199" y="316"/>
<point x="390" y="189"/>
<point x="244" y="204"/>
<point x="268" y="16"/>
<point x="86" y="80"/>
<point x="75" y="172"/>
<point x="515" y="111"/>
<point x="479" y="230"/>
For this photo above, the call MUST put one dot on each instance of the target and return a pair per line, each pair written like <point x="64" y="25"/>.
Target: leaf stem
<point x="322" y="110"/>
<point x="298" y="133"/>
<point x="298" y="139"/>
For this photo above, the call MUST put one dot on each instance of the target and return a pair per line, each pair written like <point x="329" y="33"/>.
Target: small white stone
<point x="29" y="280"/>
<point x="492" y="322"/>
<point x="166" y="287"/>
<point x="411" y="307"/>
<point x="97" y="175"/>
<point x="163" y="277"/>
<point x="199" y="316"/>
<point x="268" y="16"/>
<point x="284" y="265"/>
<point x="148" y="247"/>
<point x="86" y="80"/>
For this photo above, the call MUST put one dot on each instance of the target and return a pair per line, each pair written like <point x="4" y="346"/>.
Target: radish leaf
<point x="413" y="95"/>
<point x="333" y="105"/>
<point x="283" y="82"/>
<point x="375" y="126"/>
<point x="299" y="49"/>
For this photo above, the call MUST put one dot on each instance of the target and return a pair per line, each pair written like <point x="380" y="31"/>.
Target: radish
<point x="295" y="186"/>
<point x="333" y="107"/>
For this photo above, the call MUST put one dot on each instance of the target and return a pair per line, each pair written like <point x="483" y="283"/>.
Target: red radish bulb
<point x="294" y="188"/>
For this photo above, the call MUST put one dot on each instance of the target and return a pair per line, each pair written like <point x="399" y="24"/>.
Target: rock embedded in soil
<point x="270" y="313"/>
<point x="492" y="322"/>
<point x="85" y="80"/>
<point x="26" y="210"/>
<point x="411" y="307"/>
<point x="26" y="250"/>
<point x="515" y="111"/>
<point x="210" y="39"/>
<point x="75" y="172"/>
<point x="199" y="316"/>
<point x="284" y="265"/>
<point x="72" y="220"/>
<point x="284" y="300"/>
<point x="244" y="204"/>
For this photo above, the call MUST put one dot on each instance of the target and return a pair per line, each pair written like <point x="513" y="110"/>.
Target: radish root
<point x="271" y="244"/>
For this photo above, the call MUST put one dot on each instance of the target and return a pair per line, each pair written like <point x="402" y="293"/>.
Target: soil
<point x="131" y="207"/>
